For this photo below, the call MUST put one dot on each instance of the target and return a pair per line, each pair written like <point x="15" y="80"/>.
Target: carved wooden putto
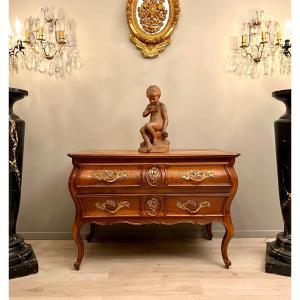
<point x="154" y="132"/>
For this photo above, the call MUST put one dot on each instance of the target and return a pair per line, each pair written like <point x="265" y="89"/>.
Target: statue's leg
<point x="226" y="239"/>
<point x="145" y="137"/>
<point x="209" y="231"/>
<point x="78" y="240"/>
<point x="150" y="129"/>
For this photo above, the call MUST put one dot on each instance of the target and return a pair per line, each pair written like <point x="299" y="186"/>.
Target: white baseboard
<point x="179" y="233"/>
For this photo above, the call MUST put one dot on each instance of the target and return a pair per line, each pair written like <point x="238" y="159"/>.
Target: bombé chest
<point x="110" y="187"/>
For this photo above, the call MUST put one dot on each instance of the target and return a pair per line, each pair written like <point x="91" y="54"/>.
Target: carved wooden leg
<point x="80" y="246"/>
<point x="227" y="237"/>
<point x="209" y="232"/>
<point x="92" y="232"/>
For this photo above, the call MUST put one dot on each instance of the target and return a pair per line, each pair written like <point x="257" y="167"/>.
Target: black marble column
<point x="22" y="260"/>
<point x="278" y="256"/>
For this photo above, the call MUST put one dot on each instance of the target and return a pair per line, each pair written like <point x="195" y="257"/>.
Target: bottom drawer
<point x="195" y="205"/>
<point x="108" y="206"/>
<point x="151" y="205"/>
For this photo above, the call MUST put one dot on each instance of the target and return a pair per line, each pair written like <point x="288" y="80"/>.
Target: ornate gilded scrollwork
<point x="196" y="175"/>
<point x="152" y="15"/>
<point x="192" y="206"/>
<point x="287" y="200"/>
<point x="108" y="176"/>
<point x="152" y="206"/>
<point x="151" y="23"/>
<point x="153" y="176"/>
<point x="111" y="206"/>
<point x="15" y="139"/>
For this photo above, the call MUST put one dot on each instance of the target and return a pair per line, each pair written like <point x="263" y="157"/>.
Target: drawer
<point x="195" y="205"/>
<point x="150" y="205"/>
<point x="197" y="175"/>
<point x="109" y="175"/>
<point x="109" y="206"/>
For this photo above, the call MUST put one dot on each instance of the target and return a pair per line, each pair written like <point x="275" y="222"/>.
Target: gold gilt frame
<point x="148" y="34"/>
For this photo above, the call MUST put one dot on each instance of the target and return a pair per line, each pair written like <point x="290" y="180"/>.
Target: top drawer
<point x="160" y="177"/>
<point x="109" y="175"/>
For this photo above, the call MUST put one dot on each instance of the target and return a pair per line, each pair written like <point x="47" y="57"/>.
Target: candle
<point x="27" y="35"/>
<point x="263" y="36"/>
<point x="27" y="30"/>
<point x="61" y="35"/>
<point x="278" y="35"/>
<point x="10" y="33"/>
<point x="288" y="30"/>
<point x="41" y="33"/>
<point x="244" y="40"/>
<point x="18" y="27"/>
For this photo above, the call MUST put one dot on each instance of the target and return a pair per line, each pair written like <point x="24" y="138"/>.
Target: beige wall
<point x="100" y="106"/>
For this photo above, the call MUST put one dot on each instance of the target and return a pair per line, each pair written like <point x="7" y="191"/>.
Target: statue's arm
<point x="165" y="117"/>
<point x="147" y="111"/>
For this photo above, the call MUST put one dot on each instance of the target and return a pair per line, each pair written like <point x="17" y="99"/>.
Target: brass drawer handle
<point x="111" y="206"/>
<point x="196" y="205"/>
<point x="196" y="175"/>
<point x="109" y="176"/>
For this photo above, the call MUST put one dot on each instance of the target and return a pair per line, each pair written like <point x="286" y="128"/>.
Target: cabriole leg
<point x="209" y="231"/>
<point x="79" y="243"/>
<point x="226" y="239"/>
<point x="92" y="232"/>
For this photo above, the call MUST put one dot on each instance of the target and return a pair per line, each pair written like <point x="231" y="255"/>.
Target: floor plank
<point x="175" y="269"/>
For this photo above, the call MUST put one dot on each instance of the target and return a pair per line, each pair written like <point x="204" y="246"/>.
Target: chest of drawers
<point x="192" y="186"/>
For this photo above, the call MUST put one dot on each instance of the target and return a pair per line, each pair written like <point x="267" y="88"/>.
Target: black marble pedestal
<point x="274" y="265"/>
<point x="22" y="260"/>
<point x="278" y="254"/>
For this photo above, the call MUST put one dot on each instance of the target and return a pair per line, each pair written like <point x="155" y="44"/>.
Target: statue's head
<point x="153" y="93"/>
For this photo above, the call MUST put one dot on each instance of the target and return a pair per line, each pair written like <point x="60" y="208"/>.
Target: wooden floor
<point x="186" y="269"/>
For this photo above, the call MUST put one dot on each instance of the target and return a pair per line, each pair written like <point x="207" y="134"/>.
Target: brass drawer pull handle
<point x="109" y="176"/>
<point x="111" y="206"/>
<point x="196" y="175"/>
<point x="196" y="205"/>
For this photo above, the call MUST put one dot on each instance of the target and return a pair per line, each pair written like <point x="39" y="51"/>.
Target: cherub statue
<point x="154" y="132"/>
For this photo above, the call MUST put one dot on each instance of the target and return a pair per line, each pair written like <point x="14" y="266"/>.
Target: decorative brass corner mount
<point x="151" y="24"/>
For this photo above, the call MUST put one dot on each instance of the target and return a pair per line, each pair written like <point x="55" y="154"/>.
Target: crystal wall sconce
<point x="43" y="45"/>
<point x="262" y="50"/>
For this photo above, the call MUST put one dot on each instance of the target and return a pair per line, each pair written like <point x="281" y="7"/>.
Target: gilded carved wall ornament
<point x="196" y="175"/>
<point x="108" y="176"/>
<point x="151" y="24"/>
<point x="111" y="206"/>
<point x="192" y="206"/>
<point x="152" y="15"/>
<point x="152" y="206"/>
<point x="153" y="176"/>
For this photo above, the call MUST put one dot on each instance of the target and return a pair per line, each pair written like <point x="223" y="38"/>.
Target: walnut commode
<point x="192" y="186"/>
